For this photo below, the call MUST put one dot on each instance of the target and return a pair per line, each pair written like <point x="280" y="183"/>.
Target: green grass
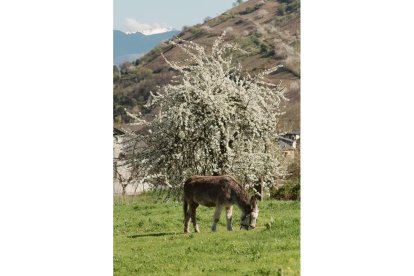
<point x="149" y="240"/>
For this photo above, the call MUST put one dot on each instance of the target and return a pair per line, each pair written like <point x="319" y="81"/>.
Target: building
<point x="289" y="143"/>
<point x="124" y="180"/>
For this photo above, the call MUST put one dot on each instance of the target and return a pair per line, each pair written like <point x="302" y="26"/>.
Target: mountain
<point x="128" y="47"/>
<point x="268" y="30"/>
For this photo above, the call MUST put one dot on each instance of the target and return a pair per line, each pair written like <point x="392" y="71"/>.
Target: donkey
<point x="219" y="192"/>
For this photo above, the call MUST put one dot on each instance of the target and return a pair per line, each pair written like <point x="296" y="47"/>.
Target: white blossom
<point x="215" y="120"/>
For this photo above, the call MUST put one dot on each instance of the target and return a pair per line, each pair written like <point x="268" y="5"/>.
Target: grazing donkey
<point x="219" y="192"/>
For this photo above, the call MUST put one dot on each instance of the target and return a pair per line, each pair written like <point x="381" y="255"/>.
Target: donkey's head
<point x="248" y="219"/>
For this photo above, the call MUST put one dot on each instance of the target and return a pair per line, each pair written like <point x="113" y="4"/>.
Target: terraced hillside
<point x="268" y="30"/>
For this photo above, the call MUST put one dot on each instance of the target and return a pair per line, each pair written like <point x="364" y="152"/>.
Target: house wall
<point x="289" y="154"/>
<point x="133" y="188"/>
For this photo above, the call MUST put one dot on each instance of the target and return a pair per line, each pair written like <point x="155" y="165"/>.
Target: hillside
<point x="268" y="30"/>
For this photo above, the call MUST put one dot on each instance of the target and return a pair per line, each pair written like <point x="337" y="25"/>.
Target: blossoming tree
<point x="213" y="120"/>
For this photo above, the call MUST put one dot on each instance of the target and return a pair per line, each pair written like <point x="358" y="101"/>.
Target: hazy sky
<point x="165" y="13"/>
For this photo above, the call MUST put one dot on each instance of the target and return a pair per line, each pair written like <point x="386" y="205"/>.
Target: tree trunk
<point x="123" y="192"/>
<point x="259" y="188"/>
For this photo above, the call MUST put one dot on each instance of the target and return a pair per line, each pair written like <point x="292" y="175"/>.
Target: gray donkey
<point x="219" y="192"/>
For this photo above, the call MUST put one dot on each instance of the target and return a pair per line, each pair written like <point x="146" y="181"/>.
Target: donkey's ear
<point x="253" y="201"/>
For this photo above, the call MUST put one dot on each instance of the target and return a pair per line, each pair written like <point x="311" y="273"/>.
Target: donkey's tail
<point x="185" y="208"/>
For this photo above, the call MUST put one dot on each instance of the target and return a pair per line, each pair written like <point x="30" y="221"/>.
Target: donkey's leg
<point x="229" y="216"/>
<point x="193" y="208"/>
<point x="216" y="218"/>
<point x="186" y="217"/>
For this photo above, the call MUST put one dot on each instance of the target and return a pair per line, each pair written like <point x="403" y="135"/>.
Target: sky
<point x="134" y="15"/>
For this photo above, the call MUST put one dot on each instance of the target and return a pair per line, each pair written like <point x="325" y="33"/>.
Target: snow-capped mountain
<point x="151" y="31"/>
<point x="130" y="46"/>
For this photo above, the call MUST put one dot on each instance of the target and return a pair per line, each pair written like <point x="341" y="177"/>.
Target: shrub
<point x="251" y="9"/>
<point x="208" y="18"/>
<point x="271" y="53"/>
<point x="288" y="6"/>
<point x="281" y="10"/>
<point x="289" y="191"/>
<point x="143" y="73"/>
<point x="197" y="31"/>
<point x="264" y="49"/>
<point x="293" y="7"/>
<point x="154" y="53"/>
<point x="222" y="18"/>
<point x="119" y="113"/>
<point x="240" y="21"/>
<point x="116" y="73"/>
<point x="238" y="2"/>
<point x="246" y="42"/>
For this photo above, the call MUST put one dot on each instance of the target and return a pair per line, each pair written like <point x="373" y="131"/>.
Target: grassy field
<point x="149" y="240"/>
